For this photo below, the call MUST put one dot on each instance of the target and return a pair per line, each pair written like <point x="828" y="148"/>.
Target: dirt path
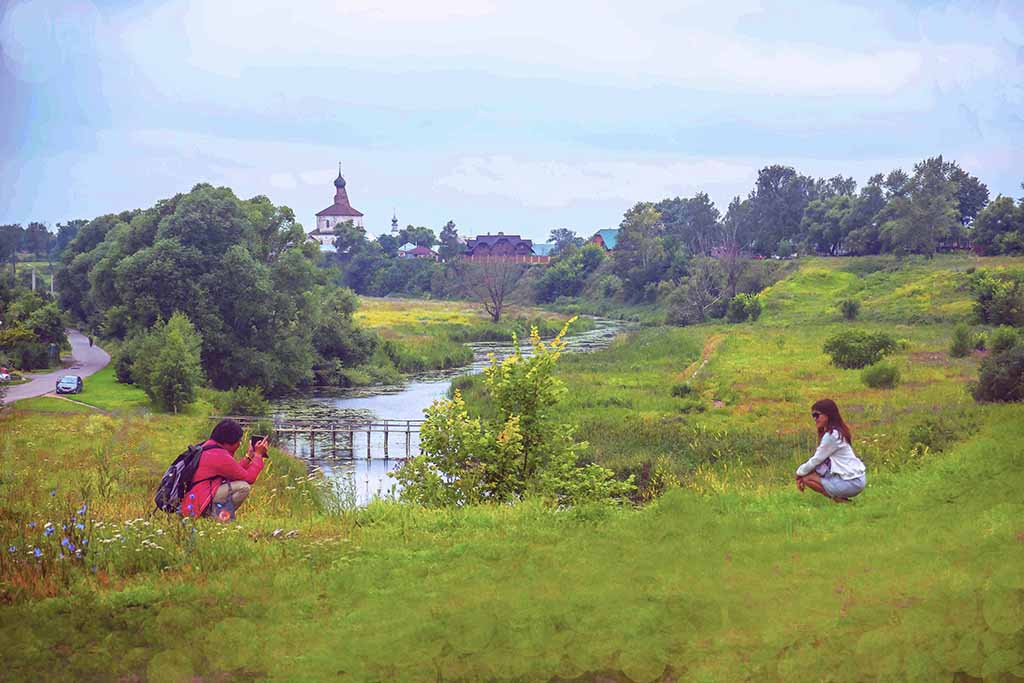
<point x="697" y="366"/>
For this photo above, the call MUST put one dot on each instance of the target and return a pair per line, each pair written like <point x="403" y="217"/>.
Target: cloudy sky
<point x="517" y="115"/>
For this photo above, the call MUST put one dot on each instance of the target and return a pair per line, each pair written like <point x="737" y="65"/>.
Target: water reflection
<point x="344" y="457"/>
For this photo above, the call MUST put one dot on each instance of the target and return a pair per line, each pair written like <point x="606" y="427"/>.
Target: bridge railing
<point x="343" y="431"/>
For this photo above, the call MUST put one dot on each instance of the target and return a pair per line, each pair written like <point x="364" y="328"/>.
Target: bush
<point x="850" y="308"/>
<point x="522" y="450"/>
<point x="854" y="349"/>
<point x="743" y="307"/>
<point x="980" y="340"/>
<point x="243" y="401"/>
<point x="1003" y="339"/>
<point x="681" y="390"/>
<point x="999" y="297"/>
<point x="963" y="342"/>
<point x="881" y="376"/>
<point x="1001" y="376"/>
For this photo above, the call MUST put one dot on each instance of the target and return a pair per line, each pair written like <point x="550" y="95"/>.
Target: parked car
<point x="5" y="377"/>
<point x="70" y="384"/>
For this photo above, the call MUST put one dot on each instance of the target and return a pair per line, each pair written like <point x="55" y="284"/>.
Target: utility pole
<point x="33" y="278"/>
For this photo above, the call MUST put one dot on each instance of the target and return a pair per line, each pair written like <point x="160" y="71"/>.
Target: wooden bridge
<point x="339" y="438"/>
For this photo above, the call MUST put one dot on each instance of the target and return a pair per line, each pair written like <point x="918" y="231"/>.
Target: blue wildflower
<point x="13" y="549"/>
<point x="53" y="493"/>
<point x="37" y="552"/>
<point x="48" y="531"/>
<point x="65" y="541"/>
<point x="82" y="509"/>
<point x="79" y="526"/>
<point x="85" y="541"/>
<point x="31" y="525"/>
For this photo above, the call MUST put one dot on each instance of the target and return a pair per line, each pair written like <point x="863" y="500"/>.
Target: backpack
<point x="178" y="478"/>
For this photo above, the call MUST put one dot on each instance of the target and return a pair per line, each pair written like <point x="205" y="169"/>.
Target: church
<point x="338" y="212"/>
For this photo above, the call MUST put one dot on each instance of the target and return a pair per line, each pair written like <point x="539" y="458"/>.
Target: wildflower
<point x="48" y="529"/>
<point x="53" y="492"/>
<point x="13" y="549"/>
<point x="79" y="526"/>
<point x="81" y="510"/>
<point x="31" y="525"/>
<point x="37" y="552"/>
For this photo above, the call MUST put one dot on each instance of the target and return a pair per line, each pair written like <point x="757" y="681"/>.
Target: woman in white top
<point x="834" y="470"/>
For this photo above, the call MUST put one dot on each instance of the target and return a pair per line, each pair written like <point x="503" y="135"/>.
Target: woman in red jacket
<point x="222" y="483"/>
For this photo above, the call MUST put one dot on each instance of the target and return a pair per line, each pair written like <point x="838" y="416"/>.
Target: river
<point x="361" y="478"/>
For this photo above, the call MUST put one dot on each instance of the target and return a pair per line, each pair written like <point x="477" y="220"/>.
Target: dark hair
<point x="835" y="421"/>
<point x="227" y="431"/>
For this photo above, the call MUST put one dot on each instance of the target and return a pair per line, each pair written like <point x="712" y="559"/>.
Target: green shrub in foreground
<point x="522" y="450"/>
<point x="854" y="349"/>
<point x="963" y="341"/>
<point x="881" y="376"/>
<point x="1001" y="377"/>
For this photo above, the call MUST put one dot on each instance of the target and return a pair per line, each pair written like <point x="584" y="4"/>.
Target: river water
<point x="346" y="463"/>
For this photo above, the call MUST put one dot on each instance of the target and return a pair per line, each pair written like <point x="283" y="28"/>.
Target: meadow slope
<point x="735" y="576"/>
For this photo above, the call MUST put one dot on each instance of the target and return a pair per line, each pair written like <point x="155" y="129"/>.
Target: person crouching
<point x="221" y="484"/>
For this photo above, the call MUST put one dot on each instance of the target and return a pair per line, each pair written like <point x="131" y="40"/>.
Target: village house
<point x="502" y="247"/>
<point x="409" y="250"/>
<point x="607" y="238"/>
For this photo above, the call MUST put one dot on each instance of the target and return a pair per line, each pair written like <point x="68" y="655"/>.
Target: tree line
<point x="241" y="273"/>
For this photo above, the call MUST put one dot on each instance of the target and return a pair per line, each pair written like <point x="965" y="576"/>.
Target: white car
<point x="5" y="377"/>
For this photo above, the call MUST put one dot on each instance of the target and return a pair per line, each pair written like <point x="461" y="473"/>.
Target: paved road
<point x="87" y="360"/>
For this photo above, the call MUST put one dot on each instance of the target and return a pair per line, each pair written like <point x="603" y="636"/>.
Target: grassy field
<point x="427" y="335"/>
<point x="735" y="576"/>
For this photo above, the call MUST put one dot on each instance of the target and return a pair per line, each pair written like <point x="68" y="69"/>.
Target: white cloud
<point x="689" y="44"/>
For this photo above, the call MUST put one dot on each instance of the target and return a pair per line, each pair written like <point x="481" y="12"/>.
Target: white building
<point x="338" y="212"/>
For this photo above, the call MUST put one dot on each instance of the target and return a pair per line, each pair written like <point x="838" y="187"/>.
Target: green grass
<point x="103" y="391"/>
<point x="736" y="576"/>
<point x="918" y="579"/>
<point x="50" y="404"/>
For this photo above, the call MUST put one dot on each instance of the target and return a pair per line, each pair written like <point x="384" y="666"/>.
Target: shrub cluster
<point x="743" y="307"/>
<point x="850" y="308"/>
<point x="854" y="349"/>
<point x="522" y="450"/>
<point x="1001" y="376"/>
<point x="999" y="297"/>
<point x="881" y="376"/>
<point x="963" y="341"/>
<point x="1003" y="339"/>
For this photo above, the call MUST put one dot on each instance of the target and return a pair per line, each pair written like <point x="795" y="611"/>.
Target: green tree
<point x="777" y="206"/>
<point x="37" y="239"/>
<point x="999" y="227"/>
<point x="450" y="246"/>
<point x="692" y="223"/>
<point x="564" y="238"/>
<point x="66" y="232"/>
<point x="640" y="257"/>
<point x="826" y="222"/>
<point x="418" y="235"/>
<point x="10" y="241"/>
<point x="167" y="363"/>
<point x="924" y="218"/>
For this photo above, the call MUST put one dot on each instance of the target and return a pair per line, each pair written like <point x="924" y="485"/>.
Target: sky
<point x="519" y="116"/>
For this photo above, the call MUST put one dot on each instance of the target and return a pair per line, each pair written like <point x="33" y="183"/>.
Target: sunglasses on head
<point x="815" y="414"/>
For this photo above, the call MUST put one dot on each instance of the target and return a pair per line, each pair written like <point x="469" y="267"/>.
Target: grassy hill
<point x="735" y="576"/>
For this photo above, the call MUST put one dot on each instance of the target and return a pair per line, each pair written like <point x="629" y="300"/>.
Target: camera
<point x="255" y="439"/>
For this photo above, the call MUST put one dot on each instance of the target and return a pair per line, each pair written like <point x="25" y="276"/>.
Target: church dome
<point x="339" y="182"/>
